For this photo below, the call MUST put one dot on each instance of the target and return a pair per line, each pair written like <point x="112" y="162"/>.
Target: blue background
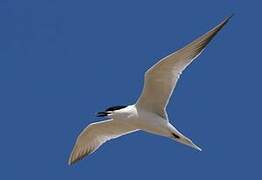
<point x="62" y="61"/>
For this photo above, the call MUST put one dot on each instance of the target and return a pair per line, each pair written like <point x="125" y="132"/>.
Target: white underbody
<point x="150" y="122"/>
<point x="149" y="112"/>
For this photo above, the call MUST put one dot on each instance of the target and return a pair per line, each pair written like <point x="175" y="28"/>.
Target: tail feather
<point x="179" y="137"/>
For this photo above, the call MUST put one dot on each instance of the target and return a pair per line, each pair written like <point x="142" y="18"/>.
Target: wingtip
<point x="217" y="28"/>
<point x="229" y="17"/>
<point x="72" y="160"/>
<point x="226" y="20"/>
<point x="69" y="162"/>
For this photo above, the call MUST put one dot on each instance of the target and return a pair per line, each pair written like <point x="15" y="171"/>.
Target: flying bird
<point x="149" y="112"/>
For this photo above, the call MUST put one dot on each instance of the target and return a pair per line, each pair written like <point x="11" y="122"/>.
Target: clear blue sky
<point x="62" y="61"/>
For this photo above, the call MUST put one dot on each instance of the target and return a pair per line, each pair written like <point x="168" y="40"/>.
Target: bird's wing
<point x="95" y="134"/>
<point x="160" y="79"/>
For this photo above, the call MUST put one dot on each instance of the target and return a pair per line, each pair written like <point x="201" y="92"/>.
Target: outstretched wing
<point x="95" y="134"/>
<point x="160" y="80"/>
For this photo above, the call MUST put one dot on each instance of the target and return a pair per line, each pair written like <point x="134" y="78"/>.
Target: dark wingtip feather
<point x="229" y="17"/>
<point x="223" y="23"/>
<point x="77" y="155"/>
<point x="206" y="38"/>
<point x="226" y="20"/>
<point x="74" y="161"/>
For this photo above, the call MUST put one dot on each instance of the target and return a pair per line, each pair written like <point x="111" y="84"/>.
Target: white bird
<point x="149" y="112"/>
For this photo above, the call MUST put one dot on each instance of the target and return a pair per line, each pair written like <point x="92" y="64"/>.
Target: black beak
<point x="102" y="114"/>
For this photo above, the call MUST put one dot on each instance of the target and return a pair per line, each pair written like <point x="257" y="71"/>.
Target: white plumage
<point x="149" y="112"/>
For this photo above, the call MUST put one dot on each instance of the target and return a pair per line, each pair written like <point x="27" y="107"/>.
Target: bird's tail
<point x="179" y="137"/>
